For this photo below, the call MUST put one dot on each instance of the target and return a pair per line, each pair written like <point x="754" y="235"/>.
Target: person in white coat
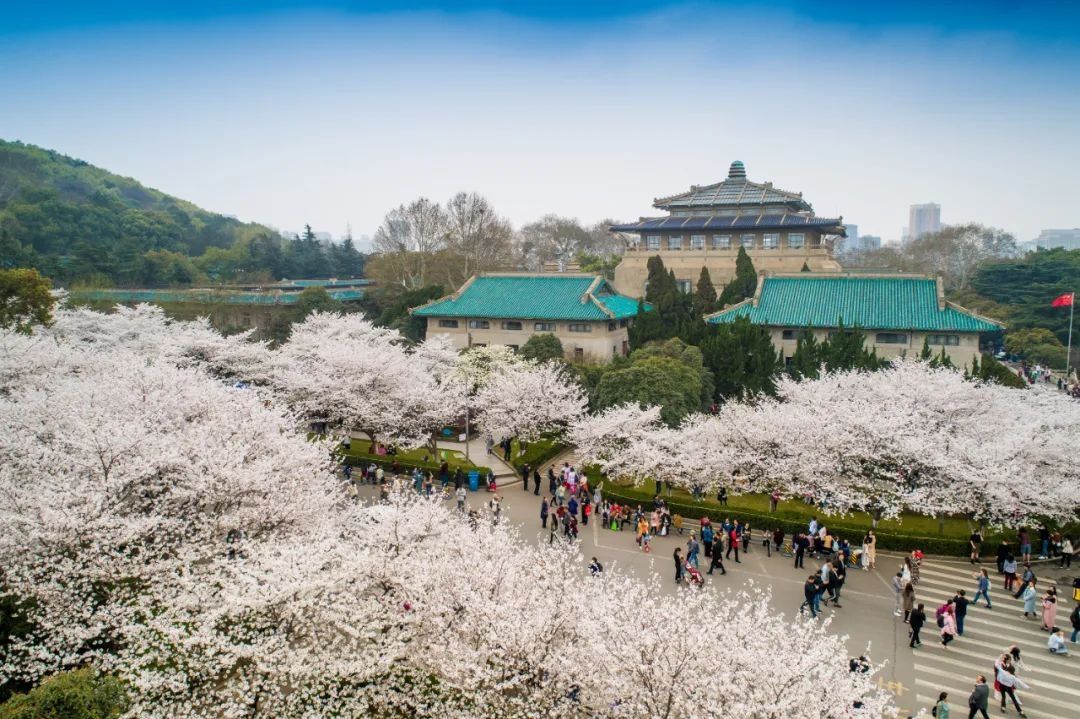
<point x="1009" y="683"/>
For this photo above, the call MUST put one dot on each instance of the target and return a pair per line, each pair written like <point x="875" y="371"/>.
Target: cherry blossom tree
<point x="119" y="478"/>
<point x="525" y="399"/>
<point x="494" y="626"/>
<point x="342" y="369"/>
<point x="909" y="438"/>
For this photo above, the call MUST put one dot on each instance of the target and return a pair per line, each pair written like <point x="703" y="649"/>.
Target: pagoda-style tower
<point x="706" y="226"/>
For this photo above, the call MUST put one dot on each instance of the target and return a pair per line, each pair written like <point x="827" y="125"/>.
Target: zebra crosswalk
<point x="1054" y="680"/>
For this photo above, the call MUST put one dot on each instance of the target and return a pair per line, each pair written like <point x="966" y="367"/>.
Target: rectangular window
<point x="796" y="240"/>
<point x="791" y="334"/>
<point x="675" y="242"/>
<point x="682" y="213"/>
<point x="448" y="324"/>
<point x="511" y="325"/>
<point x="891" y="338"/>
<point x="544" y="327"/>
<point x="686" y="286"/>
<point x="579" y="327"/>
<point x="697" y="242"/>
<point x="579" y="354"/>
<point x="838" y="333"/>
<point x="479" y="325"/>
<point x="770" y="240"/>
<point x="653" y="242"/>
<point x="951" y="340"/>
<point x="721" y="242"/>
<point x="611" y="326"/>
<point x="748" y="241"/>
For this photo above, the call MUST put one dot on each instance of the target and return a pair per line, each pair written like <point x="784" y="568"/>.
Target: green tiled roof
<point x="879" y="303"/>
<point x="540" y="297"/>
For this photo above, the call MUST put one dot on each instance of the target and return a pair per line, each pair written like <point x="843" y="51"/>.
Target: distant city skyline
<point x="587" y="110"/>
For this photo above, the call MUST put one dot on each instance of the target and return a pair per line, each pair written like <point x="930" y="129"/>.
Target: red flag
<point x="1065" y="300"/>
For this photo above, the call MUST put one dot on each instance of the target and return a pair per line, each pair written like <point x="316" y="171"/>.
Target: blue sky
<point x="334" y="112"/>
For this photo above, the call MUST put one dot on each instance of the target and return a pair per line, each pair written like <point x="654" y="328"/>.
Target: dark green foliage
<point x="391" y="309"/>
<point x="79" y="694"/>
<point x="845" y="349"/>
<point x="806" y="361"/>
<point x="744" y="284"/>
<point x="315" y="299"/>
<point x="543" y="347"/>
<point x="662" y="381"/>
<point x="589" y="376"/>
<point x="647" y="326"/>
<point x="1020" y="291"/>
<point x="705" y="297"/>
<point x="25" y="300"/>
<point x="742" y="359"/>
<point x="688" y="355"/>
<point x="73" y="221"/>
<point x="605" y="266"/>
<point x="990" y="370"/>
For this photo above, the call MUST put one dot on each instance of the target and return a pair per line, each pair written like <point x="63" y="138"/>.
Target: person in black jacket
<point x="536" y="480"/>
<point x="678" y="565"/>
<point x="1075" y="619"/>
<point x="916" y="621"/>
<point x="800" y="549"/>
<point x="810" y="592"/>
<point x="716" y="554"/>
<point x="980" y="697"/>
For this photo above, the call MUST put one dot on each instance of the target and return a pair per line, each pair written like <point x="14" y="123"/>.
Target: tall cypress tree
<point x="745" y="282"/>
<point x="705" y="297"/>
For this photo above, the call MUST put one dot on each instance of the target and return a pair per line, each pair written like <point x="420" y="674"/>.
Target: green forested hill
<point x="77" y="222"/>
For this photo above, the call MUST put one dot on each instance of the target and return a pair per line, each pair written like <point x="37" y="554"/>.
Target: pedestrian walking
<point x="1003" y="551"/>
<point x="907" y="601"/>
<point x="948" y="629"/>
<point x="717" y="555"/>
<point x="979" y="699"/>
<point x="1074" y="619"/>
<point x="800" y="549"/>
<point x="692" y="549"/>
<point x="536" y="481"/>
<point x="1067" y="551"/>
<point x="960" y="607"/>
<point x="975" y="540"/>
<point x="1027" y="579"/>
<point x="898" y="585"/>
<point x="916" y="622"/>
<point x="810" y="596"/>
<point x="1008" y="683"/>
<point x="941" y="708"/>
<point x="677" y="556"/>
<point x="1049" y="610"/>
<point x="1029" y="599"/>
<point x="983" y="588"/>
<point x="460" y="492"/>
<point x="1008" y="568"/>
<point x="545" y="509"/>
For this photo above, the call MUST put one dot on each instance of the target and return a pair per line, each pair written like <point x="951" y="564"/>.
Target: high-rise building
<point x="1065" y="239"/>
<point x="852" y="232"/>
<point x="923" y="219"/>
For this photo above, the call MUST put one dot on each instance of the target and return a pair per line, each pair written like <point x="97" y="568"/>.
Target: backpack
<point x="933" y="712"/>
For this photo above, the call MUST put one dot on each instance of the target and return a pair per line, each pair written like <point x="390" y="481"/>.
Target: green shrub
<point x="363" y="459"/>
<point x="79" y="694"/>
<point x="537" y="454"/>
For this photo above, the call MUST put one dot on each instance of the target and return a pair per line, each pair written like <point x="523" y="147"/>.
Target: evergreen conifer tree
<point x="705" y="297"/>
<point x="745" y="282"/>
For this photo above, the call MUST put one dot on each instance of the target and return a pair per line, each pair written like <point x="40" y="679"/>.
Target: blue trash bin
<point x="474" y="480"/>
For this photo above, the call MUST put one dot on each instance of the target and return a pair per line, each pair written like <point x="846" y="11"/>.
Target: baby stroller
<point x="693" y="576"/>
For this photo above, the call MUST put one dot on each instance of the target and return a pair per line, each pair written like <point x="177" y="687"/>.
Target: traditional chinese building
<point x="590" y="319"/>
<point x="895" y="313"/>
<point x="706" y="226"/>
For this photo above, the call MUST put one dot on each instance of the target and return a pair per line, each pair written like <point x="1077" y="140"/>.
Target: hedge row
<point x="768" y="522"/>
<point x="538" y="454"/>
<point x="360" y="459"/>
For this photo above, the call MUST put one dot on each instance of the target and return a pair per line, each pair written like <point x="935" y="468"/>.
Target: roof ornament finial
<point x="737" y="171"/>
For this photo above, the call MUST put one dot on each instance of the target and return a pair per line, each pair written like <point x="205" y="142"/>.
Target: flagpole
<point x="1068" y="350"/>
